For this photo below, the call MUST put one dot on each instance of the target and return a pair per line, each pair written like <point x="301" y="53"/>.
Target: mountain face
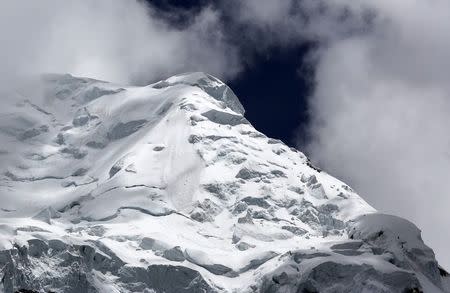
<point x="168" y="188"/>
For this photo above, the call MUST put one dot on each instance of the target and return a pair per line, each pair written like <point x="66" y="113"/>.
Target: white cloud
<point x="381" y="114"/>
<point x="119" y="41"/>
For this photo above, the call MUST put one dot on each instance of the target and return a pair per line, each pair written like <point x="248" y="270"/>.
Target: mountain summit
<point x="168" y="188"/>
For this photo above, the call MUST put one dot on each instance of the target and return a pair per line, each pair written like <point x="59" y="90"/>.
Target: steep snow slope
<point x="168" y="188"/>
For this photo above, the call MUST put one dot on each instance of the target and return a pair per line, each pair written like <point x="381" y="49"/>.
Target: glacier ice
<point x="168" y="188"/>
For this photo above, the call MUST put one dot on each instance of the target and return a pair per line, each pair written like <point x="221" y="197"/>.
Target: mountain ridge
<point x="169" y="188"/>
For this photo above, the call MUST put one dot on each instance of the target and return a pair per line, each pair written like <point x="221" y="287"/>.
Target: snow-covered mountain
<point x="168" y="188"/>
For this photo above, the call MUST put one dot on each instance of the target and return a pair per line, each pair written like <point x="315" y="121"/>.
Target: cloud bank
<point x="381" y="114"/>
<point x="122" y="41"/>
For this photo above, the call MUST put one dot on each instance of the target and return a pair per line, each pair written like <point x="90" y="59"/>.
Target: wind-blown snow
<point x="168" y="187"/>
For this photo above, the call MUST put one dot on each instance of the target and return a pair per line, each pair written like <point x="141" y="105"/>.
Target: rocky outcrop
<point x="384" y="254"/>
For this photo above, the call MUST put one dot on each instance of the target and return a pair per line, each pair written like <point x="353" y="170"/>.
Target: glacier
<point x="169" y="188"/>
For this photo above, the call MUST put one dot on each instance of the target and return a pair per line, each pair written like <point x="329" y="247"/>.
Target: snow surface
<point x="108" y="188"/>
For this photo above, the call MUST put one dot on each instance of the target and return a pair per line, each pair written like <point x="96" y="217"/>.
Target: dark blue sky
<point x="274" y="93"/>
<point x="274" y="84"/>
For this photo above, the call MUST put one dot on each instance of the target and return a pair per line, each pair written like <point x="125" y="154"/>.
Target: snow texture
<point x="168" y="188"/>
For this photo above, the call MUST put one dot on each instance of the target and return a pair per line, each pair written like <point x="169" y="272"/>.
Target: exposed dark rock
<point x="274" y="141"/>
<point x="194" y="138"/>
<point x="205" y="211"/>
<point x="75" y="152"/>
<point x="256" y="201"/>
<point x="37" y="247"/>
<point x="239" y="207"/>
<point x="174" y="254"/>
<point x="96" y="92"/>
<point x="114" y="169"/>
<point x="222" y="190"/>
<point x="247" y="219"/>
<point x="262" y="214"/>
<point x="299" y="256"/>
<point x="158" y="148"/>
<point x="225" y="118"/>
<point x="121" y="130"/>
<point x="244" y="246"/>
<point x="29" y="134"/>
<point x="248" y="174"/>
<point x="96" y="144"/>
<point x="309" y="164"/>
<point x="330" y="276"/>
<point x="164" y="278"/>
<point x="443" y="272"/>
<point x="148" y="243"/>
<point x="57" y="245"/>
<point x="295" y="230"/>
<point x="216" y="269"/>
<point x="60" y="139"/>
<point x="80" y="172"/>
<point x="354" y="245"/>
<point x="255" y="263"/>
<point x="80" y="120"/>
